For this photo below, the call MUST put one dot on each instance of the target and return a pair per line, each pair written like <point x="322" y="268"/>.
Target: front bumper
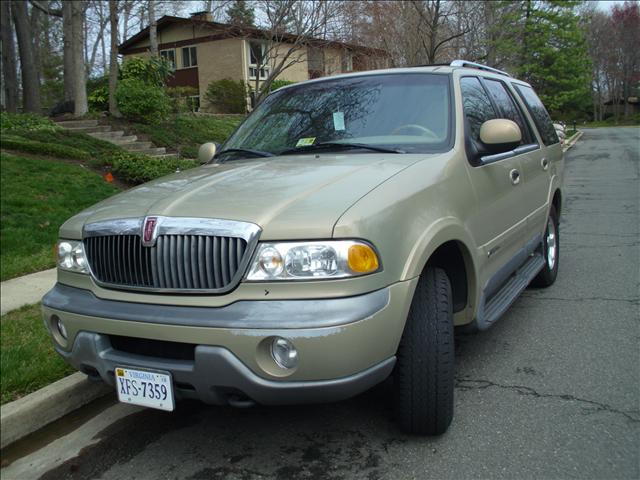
<point x="345" y="345"/>
<point x="216" y="375"/>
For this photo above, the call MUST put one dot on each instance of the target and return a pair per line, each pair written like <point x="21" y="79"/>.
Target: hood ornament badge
<point x="149" y="231"/>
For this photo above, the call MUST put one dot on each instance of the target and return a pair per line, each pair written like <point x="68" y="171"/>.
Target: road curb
<point x="32" y="412"/>
<point x="573" y="140"/>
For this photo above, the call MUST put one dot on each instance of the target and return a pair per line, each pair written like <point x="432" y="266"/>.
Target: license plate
<point x="147" y="388"/>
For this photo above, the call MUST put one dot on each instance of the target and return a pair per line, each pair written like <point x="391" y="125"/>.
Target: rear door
<point x="499" y="219"/>
<point x="541" y="165"/>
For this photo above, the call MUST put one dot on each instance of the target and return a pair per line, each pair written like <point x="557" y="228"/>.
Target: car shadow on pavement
<point x="349" y="439"/>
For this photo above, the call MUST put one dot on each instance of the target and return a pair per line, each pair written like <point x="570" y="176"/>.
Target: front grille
<point x="175" y="262"/>
<point x="153" y="348"/>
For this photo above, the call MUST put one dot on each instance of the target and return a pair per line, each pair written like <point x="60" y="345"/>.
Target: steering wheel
<point x="423" y="131"/>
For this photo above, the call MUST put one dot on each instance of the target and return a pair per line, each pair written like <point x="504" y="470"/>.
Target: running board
<point x="494" y="308"/>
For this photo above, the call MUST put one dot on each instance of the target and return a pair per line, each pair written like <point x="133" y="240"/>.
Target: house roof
<point x="225" y="30"/>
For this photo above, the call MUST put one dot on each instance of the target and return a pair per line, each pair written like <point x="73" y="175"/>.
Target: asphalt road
<point x="551" y="391"/>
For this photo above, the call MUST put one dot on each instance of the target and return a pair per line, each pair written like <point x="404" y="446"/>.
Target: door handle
<point x="545" y="163"/>
<point x="515" y="176"/>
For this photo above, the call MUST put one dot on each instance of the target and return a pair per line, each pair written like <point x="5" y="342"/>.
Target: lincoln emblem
<point x="148" y="231"/>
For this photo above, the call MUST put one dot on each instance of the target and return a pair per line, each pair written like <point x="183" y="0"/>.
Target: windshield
<point x="407" y="112"/>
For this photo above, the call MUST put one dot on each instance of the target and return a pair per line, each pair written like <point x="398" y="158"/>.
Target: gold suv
<point x="336" y="238"/>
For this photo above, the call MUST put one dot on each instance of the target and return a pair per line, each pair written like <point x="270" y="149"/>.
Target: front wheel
<point x="550" y="252"/>
<point x="424" y="373"/>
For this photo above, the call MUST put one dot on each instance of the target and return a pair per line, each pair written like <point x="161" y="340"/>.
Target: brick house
<point x="203" y="51"/>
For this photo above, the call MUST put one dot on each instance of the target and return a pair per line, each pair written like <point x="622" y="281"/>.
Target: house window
<point x="347" y="62"/>
<point x="257" y="57"/>
<point x="193" y="103"/>
<point x="169" y="56"/>
<point x="189" y="57"/>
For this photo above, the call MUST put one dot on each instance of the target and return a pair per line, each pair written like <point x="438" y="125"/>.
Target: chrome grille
<point x="191" y="262"/>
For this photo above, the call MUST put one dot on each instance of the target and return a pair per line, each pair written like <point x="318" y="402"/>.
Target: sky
<point x="605" y="5"/>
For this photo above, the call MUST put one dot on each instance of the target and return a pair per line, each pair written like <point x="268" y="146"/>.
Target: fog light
<point x="284" y="353"/>
<point x="62" y="330"/>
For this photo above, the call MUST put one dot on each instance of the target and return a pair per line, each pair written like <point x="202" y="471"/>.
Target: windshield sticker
<point x="306" y="142"/>
<point x="338" y="121"/>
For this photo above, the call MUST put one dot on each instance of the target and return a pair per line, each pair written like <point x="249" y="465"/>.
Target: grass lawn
<point x="28" y="361"/>
<point x="185" y="133"/>
<point x="38" y="195"/>
<point x="623" y="122"/>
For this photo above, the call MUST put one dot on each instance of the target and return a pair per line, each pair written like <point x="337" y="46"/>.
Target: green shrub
<point x="14" y="142"/>
<point x="228" y="96"/>
<point x="152" y="71"/>
<point x="141" y="102"/>
<point x="276" y="84"/>
<point x="25" y="121"/>
<point x="98" y="99"/>
<point x="137" y="168"/>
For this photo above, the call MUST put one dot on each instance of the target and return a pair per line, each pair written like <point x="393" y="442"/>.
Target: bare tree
<point x="8" y="59"/>
<point x="100" y="22"/>
<point x="438" y="22"/>
<point x="30" y="85"/>
<point x="216" y="8"/>
<point x="153" y="29"/>
<point x="79" y="72"/>
<point x="291" y="26"/>
<point x="113" y="58"/>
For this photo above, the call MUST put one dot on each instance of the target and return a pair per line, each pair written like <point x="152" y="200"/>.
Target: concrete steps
<point x="108" y="136"/>
<point x="97" y="128"/>
<point x="117" y="137"/>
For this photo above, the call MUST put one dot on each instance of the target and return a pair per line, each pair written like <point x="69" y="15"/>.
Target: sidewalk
<point x="26" y="290"/>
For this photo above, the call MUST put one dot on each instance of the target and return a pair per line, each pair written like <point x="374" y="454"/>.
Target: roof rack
<point x="479" y="66"/>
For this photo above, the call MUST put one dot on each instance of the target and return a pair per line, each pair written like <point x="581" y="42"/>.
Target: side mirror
<point x="207" y="151"/>
<point x="500" y="135"/>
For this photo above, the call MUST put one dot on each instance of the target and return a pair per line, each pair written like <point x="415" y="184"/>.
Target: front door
<point x="499" y="221"/>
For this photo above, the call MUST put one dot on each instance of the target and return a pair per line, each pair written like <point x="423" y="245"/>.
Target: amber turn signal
<point x="362" y="258"/>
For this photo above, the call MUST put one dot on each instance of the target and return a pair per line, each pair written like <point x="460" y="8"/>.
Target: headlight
<point x="71" y="256"/>
<point x="313" y="260"/>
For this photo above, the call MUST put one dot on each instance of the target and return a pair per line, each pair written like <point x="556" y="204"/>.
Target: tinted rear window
<point x="539" y="113"/>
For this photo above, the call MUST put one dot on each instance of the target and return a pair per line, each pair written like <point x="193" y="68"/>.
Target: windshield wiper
<point x="329" y="145"/>
<point x="255" y="153"/>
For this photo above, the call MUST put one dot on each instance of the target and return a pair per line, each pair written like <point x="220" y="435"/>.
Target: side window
<point x="539" y="113"/>
<point x="508" y="108"/>
<point x="477" y="105"/>
<point x="189" y="57"/>
<point x="169" y="56"/>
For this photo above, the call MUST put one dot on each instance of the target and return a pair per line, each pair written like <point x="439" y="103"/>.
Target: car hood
<point x="289" y="197"/>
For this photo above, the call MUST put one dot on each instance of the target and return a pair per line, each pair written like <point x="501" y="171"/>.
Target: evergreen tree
<point x="548" y="49"/>
<point x="241" y="14"/>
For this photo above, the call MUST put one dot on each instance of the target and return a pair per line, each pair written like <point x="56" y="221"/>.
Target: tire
<point x="424" y="373"/>
<point x="550" y="249"/>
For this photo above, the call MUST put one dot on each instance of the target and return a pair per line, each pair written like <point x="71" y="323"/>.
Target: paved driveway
<point x="551" y="391"/>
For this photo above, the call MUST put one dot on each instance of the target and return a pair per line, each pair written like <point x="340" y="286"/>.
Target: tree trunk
<point x="125" y="22"/>
<point x="67" y="29"/>
<point x="30" y="86"/>
<point x="8" y="59"/>
<point x="79" y="73"/>
<point x="102" y="43"/>
<point x="36" y="32"/>
<point x="113" y="58"/>
<point x="153" y="29"/>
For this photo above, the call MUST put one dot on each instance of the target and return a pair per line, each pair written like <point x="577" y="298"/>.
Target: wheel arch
<point x="449" y="247"/>
<point x="556" y="201"/>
